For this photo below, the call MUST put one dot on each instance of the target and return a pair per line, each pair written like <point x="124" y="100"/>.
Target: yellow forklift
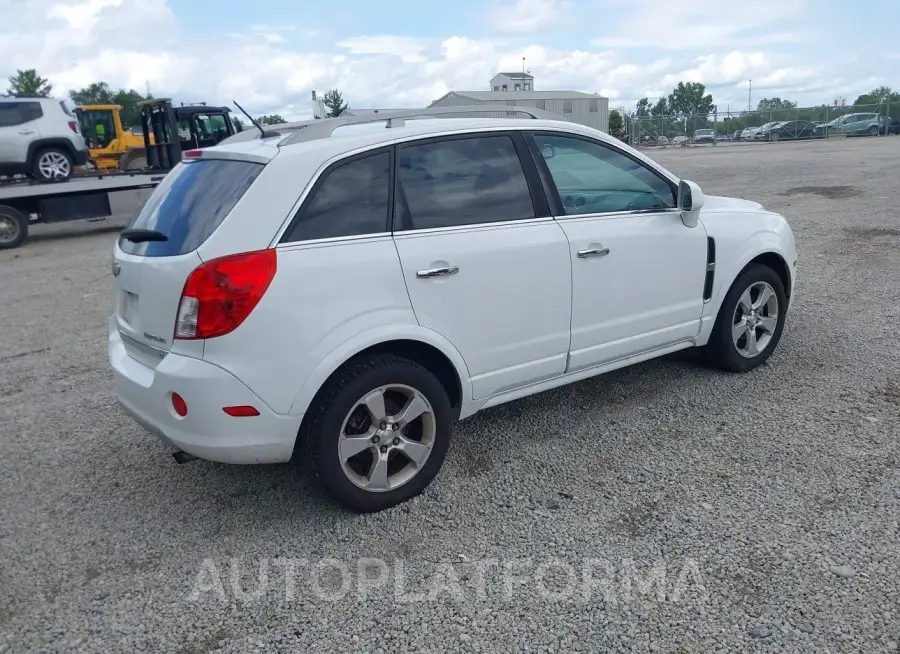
<point x="112" y="147"/>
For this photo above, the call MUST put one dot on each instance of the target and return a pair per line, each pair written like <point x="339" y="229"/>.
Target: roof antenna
<point x="263" y="134"/>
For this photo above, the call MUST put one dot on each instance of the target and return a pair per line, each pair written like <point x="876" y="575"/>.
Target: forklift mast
<point x="158" y="119"/>
<point x="176" y="129"/>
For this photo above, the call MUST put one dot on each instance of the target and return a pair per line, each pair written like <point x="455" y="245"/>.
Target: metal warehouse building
<point x="517" y="89"/>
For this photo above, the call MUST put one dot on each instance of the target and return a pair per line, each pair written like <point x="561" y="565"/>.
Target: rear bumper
<point x="206" y="431"/>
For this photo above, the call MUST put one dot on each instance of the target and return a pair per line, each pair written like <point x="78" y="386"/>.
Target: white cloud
<point x="527" y="16"/>
<point x="272" y="68"/>
<point x="699" y="24"/>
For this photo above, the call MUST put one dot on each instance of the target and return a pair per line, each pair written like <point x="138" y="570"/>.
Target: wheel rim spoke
<point x="415" y="452"/>
<point x="765" y="294"/>
<point x="739" y="330"/>
<point x="752" y="343"/>
<point x="352" y="445"/>
<point x="413" y="409"/>
<point x="746" y="302"/>
<point x="768" y="324"/>
<point x="378" y="475"/>
<point x="374" y="403"/>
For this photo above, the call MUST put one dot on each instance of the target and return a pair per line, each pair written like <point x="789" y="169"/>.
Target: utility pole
<point x="523" y="65"/>
<point x="749" y="97"/>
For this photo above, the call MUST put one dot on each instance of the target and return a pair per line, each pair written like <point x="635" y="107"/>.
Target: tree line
<point x="29" y="83"/>
<point x="690" y="101"/>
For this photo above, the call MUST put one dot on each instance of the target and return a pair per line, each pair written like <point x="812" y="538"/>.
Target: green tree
<point x="775" y="104"/>
<point x="690" y="99"/>
<point x="101" y="93"/>
<point x="881" y="95"/>
<point x="29" y="83"/>
<point x="334" y="102"/>
<point x="661" y="108"/>
<point x="643" y="108"/>
<point x="270" y="119"/>
<point x="616" y="124"/>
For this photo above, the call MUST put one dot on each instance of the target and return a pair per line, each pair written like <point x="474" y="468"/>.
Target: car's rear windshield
<point x="189" y="205"/>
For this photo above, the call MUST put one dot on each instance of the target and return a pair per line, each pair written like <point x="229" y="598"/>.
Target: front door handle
<point x="437" y="272"/>
<point x="593" y="252"/>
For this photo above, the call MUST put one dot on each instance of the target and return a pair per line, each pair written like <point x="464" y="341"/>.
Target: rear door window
<point x="190" y="204"/>
<point x="350" y="200"/>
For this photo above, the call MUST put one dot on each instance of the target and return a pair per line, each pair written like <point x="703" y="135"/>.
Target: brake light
<point x="73" y="126"/>
<point x="220" y="294"/>
<point x="192" y="154"/>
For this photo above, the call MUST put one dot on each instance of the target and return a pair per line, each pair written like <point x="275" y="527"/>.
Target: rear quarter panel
<point x="323" y="295"/>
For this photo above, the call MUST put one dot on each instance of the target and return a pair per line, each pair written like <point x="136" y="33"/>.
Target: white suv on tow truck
<point x="355" y="289"/>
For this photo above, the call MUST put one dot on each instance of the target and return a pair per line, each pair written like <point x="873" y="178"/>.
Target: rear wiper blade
<point x="143" y="235"/>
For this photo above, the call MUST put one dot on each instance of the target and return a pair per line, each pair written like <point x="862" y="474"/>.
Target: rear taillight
<point x="73" y="126"/>
<point x="220" y="294"/>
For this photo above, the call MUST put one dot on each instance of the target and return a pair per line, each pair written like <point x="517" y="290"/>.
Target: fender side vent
<point x="710" y="268"/>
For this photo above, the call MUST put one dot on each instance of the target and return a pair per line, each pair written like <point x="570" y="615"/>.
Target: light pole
<point x="749" y="96"/>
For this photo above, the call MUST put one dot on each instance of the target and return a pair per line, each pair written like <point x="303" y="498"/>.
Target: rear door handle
<point x="437" y="272"/>
<point x="593" y="252"/>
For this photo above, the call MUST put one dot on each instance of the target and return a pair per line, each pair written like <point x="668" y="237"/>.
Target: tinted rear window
<point x="190" y="204"/>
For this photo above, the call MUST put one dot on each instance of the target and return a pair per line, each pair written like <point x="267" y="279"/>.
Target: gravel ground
<point x="661" y="508"/>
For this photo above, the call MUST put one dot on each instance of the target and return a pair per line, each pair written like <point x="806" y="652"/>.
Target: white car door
<point x="17" y="131"/>
<point x="484" y="263"/>
<point x="637" y="271"/>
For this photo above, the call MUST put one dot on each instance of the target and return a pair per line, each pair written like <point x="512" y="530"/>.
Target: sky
<point x="270" y="54"/>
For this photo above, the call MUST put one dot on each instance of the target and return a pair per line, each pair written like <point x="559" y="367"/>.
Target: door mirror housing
<point x="690" y="201"/>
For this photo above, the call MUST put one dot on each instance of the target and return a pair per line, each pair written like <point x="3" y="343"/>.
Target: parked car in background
<point x="868" y="124"/>
<point x="750" y="133"/>
<point x="220" y="343"/>
<point x="39" y="137"/>
<point x="737" y="134"/>
<point x="855" y="124"/>
<point x="789" y="130"/>
<point x="679" y="140"/>
<point x="704" y="136"/>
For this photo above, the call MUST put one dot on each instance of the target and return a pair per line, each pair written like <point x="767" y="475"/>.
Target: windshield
<point x="190" y="204"/>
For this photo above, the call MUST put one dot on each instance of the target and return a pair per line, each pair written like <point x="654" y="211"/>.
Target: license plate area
<point x="128" y="303"/>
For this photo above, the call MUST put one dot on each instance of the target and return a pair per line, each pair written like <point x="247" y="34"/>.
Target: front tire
<point x="378" y="432"/>
<point x="750" y="321"/>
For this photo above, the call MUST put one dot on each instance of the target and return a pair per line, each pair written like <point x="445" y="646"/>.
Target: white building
<point x="509" y="89"/>
<point x="512" y="82"/>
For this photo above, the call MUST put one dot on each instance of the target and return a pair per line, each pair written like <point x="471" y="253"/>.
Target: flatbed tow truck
<point x="86" y="196"/>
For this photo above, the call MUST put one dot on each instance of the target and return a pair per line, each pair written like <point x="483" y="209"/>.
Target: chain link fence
<point x="764" y="126"/>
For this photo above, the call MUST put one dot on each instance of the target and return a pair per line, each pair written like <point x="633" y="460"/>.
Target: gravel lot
<point x="766" y="504"/>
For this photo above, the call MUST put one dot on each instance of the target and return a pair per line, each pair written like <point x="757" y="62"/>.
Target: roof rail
<point x="323" y="128"/>
<point x="280" y="129"/>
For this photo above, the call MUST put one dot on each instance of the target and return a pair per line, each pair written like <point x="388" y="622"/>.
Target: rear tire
<point x="341" y="421"/>
<point x="51" y="164"/>
<point x="13" y="227"/>
<point x="744" y="335"/>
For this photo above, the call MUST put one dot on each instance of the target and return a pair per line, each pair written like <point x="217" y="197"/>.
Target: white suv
<point x="39" y="137"/>
<point x="357" y="289"/>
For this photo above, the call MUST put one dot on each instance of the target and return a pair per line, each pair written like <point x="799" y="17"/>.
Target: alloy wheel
<point x="755" y="319"/>
<point x="53" y="165"/>
<point x="387" y="437"/>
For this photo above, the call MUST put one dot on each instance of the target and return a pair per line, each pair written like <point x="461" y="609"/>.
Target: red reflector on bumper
<point x="179" y="405"/>
<point x="244" y="411"/>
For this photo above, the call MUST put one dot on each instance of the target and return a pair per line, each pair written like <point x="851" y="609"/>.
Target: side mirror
<point x="690" y="201"/>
